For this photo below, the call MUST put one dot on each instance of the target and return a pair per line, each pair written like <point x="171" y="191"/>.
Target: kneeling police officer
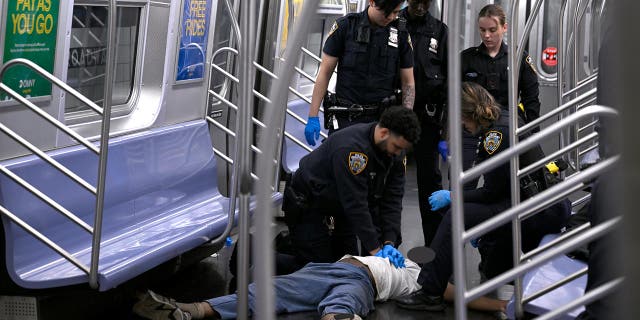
<point x="346" y="196"/>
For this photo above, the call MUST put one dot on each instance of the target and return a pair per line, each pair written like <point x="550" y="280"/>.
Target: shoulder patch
<point x="492" y="141"/>
<point x="404" y="163"/>
<point x="334" y="27"/>
<point x="530" y="62"/>
<point x="357" y="162"/>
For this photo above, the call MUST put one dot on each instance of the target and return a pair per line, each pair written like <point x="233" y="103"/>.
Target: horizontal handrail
<point x="586" y="82"/>
<point x="234" y="107"/>
<point x="587" y="150"/>
<point x="45" y="157"/>
<point x="52" y="203"/>
<point x="555" y="241"/>
<point x="535" y="123"/>
<point x="49" y="118"/>
<point x="567" y="246"/>
<point x="44" y="73"/>
<point x="556" y="285"/>
<point x="530" y="168"/>
<point x="588" y="126"/>
<point x="298" y="142"/>
<point x="530" y="142"/>
<point x="229" y="132"/>
<point x="589" y="297"/>
<point x="44" y="239"/>
<point x="555" y="193"/>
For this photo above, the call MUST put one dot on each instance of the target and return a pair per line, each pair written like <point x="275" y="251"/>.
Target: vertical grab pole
<point x="268" y="142"/>
<point x="243" y="141"/>
<point x="515" y="161"/>
<point x="455" y="131"/>
<point x="104" y="143"/>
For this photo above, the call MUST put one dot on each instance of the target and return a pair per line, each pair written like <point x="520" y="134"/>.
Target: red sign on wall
<point x="550" y="56"/>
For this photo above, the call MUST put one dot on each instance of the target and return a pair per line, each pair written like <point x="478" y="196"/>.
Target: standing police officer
<point x="487" y="65"/>
<point x="370" y="50"/>
<point x="429" y="39"/>
<point x="346" y="196"/>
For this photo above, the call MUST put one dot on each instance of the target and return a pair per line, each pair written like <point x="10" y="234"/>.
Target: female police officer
<point x="429" y="39"/>
<point x="481" y="115"/>
<point x="487" y="65"/>
<point x="369" y="49"/>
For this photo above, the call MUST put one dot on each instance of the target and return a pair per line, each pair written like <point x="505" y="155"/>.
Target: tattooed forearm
<point x="408" y="95"/>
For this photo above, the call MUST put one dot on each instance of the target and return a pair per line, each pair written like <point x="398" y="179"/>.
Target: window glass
<point x="88" y="54"/>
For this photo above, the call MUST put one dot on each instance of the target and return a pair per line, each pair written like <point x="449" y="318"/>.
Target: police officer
<point x="487" y="65"/>
<point x="429" y="39"/>
<point x="370" y="50"/>
<point x="346" y="196"/>
<point x="481" y="115"/>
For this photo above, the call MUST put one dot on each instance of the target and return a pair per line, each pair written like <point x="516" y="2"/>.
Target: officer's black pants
<point x="312" y="242"/>
<point x="428" y="176"/>
<point x="495" y="246"/>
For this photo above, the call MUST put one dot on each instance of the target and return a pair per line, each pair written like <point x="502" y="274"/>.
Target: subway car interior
<point x="146" y="144"/>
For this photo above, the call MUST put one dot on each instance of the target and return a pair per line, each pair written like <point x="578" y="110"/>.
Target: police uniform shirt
<point x="348" y="176"/>
<point x="492" y="74"/>
<point x="369" y="57"/>
<point x="429" y="39"/>
<point x="496" y="186"/>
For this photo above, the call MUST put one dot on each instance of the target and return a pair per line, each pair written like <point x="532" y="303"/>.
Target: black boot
<point x="419" y="300"/>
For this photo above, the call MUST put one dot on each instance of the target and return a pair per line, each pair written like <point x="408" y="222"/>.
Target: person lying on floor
<point x="345" y="289"/>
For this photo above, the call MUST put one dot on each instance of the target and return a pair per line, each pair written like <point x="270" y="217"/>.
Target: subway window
<point x="88" y="56"/>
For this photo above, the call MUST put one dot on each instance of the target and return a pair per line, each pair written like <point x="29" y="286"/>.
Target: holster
<point x="294" y="203"/>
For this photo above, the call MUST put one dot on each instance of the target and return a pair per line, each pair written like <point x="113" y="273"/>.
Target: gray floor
<point x="211" y="277"/>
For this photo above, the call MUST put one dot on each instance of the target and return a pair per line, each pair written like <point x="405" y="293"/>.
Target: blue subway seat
<point x="545" y="276"/>
<point x="161" y="200"/>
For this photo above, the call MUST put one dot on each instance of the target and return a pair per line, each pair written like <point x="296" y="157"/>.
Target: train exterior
<point x="136" y="133"/>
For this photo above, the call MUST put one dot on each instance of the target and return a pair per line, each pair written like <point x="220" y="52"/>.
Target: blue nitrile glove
<point x="440" y="199"/>
<point x="475" y="242"/>
<point x="312" y="130"/>
<point x="395" y="257"/>
<point x="443" y="149"/>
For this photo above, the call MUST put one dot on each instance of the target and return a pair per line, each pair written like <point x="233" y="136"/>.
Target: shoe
<point x="419" y="300"/>
<point x="156" y="307"/>
<point x="341" y="316"/>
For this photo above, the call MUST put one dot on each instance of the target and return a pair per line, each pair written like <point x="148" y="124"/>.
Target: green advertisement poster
<point x="30" y="33"/>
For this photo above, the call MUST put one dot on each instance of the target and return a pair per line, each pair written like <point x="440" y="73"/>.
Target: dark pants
<point x="435" y="275"/>
<point x="428" y="175"/>
<point x="312" y="241"/>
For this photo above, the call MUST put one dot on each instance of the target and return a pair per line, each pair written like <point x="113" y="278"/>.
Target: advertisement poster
<point x="193" y="40"/>
<point x="30" y="33"/>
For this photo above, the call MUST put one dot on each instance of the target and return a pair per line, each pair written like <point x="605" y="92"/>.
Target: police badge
<point x="492" y="141"/>
<point x="433" y="45"/>
<point x="357" y="162"/>
<point x="393" y="37"/>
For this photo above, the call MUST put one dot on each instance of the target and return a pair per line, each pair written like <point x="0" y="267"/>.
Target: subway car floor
<point x="211" y="277"/>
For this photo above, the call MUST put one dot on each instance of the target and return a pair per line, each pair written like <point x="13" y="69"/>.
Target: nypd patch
<point x="357" y="162"/>
<point x="334" y="27"/>
<point x="530" y="62"/>
<point x="492" y="141"/>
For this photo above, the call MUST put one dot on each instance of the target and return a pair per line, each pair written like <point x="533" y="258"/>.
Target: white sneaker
<point x="156" y="307"/>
